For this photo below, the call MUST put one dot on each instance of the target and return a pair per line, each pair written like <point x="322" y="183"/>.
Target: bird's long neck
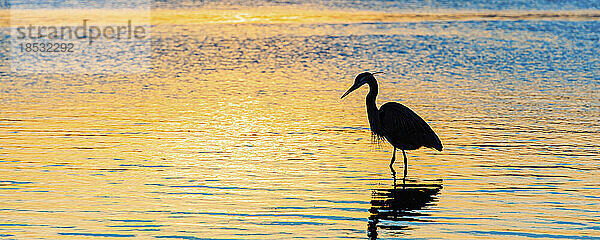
<point x="372" y="95"/>
<point x="372" y="110"/>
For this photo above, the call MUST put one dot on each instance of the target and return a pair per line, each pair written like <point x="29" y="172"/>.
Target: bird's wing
<point x="403" y="127"/>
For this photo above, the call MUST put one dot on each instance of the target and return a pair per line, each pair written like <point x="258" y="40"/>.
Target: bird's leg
<point x="405" y="164"/>
<point x="392" y="167"/>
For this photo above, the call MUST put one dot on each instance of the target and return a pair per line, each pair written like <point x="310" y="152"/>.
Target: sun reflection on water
<point x="238" y="132"/>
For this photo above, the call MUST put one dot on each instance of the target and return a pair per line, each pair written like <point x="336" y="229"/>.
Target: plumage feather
<point x="404" y="129"/>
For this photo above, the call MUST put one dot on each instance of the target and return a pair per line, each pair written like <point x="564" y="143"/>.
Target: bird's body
<point x="396" y="123"/>
<point x="404" y="129"/>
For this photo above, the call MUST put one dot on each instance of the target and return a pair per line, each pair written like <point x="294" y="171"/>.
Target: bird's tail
<point x="436" y="143"/>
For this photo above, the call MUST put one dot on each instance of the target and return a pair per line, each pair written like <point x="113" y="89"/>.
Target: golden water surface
<point x="238" y="132"/>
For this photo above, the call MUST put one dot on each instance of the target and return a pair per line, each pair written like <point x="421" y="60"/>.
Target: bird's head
<point x="360" y="80"/>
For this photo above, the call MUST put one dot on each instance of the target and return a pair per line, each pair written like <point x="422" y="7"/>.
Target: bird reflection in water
<point x="393" y="208"/>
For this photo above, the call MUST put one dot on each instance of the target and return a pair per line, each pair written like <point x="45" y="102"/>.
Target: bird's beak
<point x="354" y="87"/>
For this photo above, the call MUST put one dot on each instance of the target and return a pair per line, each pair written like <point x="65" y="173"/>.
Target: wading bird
<point x="396" y="123"/>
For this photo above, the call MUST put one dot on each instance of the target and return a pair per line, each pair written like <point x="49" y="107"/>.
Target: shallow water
<point x="239" y="133"/>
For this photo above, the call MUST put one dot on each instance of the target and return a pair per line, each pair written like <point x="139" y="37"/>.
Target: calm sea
<point x="238" y="130"/>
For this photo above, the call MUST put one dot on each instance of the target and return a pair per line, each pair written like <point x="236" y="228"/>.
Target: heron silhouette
<point x="396" y="123"/>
